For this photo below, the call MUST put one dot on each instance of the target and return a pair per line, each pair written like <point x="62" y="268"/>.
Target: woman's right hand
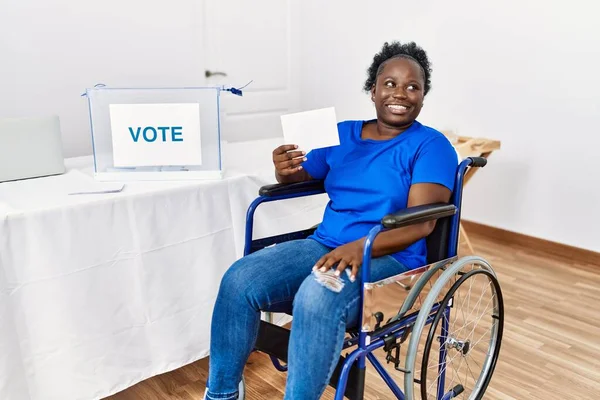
<point x="288" y="159"/>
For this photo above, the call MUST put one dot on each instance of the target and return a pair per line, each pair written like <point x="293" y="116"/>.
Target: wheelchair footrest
<point x="273" y="340"/>
<point x="355" y="387"/>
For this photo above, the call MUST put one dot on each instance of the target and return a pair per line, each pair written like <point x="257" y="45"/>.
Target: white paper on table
<point x="112" y="188"/>
<point x="84" y="184"/>
<point x="311" y="129"/>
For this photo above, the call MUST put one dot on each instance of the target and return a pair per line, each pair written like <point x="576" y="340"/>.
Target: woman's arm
<point x="395" y="240"/>
<point x="299" y="176"/>
<point x="392" y="241"/>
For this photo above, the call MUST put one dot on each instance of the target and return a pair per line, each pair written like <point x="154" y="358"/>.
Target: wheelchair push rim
<point x="469" y="281"/>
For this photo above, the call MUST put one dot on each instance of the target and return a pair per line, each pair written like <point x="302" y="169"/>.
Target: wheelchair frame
<point x="349" y="375"/>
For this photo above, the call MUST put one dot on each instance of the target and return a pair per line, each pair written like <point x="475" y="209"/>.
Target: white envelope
<point x="311" y="129"/>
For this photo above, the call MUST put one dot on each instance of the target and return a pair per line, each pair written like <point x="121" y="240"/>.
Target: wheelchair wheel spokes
<point x="456" y="337"/>
<point x="448" y="284"/>
<point x="463" y="341"/>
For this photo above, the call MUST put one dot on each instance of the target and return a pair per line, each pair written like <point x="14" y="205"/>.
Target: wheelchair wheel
<point x="464" y="333"/>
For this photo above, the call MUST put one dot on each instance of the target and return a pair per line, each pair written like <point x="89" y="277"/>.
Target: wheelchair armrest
<point x="418" y="214"/>
<point x="283" y="189"/>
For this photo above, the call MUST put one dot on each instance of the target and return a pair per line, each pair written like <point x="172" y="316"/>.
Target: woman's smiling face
<point x="398" y="92"/>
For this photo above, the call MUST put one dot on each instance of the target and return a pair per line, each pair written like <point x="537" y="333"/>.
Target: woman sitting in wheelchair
<point x="381" y="166"/>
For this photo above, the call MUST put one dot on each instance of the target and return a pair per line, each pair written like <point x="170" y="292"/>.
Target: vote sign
<point x="155" y="134"/>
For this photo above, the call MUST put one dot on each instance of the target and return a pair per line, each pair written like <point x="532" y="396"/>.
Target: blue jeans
<point x="279" y="278"/>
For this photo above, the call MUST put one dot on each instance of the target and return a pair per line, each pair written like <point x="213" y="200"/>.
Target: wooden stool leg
<point x="464" y="235"/>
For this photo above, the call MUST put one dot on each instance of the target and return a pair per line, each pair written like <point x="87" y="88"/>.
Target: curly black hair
<point x="398" y="50"/>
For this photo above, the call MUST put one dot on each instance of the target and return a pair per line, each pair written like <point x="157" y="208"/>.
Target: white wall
<point x="51" y="51"/>
<point x="521" y="71"/>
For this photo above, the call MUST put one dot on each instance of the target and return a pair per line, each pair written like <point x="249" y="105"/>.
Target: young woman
<point x="381" y="166"/>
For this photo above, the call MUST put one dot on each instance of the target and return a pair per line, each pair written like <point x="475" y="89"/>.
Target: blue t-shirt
<point x="367" y="179"/>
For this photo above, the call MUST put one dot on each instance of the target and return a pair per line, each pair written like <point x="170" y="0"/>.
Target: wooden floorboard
<point x="550" y="350"/>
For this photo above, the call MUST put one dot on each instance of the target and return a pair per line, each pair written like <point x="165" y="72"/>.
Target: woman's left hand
<point x="348" y="255"/>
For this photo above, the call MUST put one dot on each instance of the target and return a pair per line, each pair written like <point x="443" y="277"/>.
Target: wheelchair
<point x="439" y="327"/>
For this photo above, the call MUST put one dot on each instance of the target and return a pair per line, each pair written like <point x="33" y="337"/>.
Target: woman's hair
<point x="397" y="50"/>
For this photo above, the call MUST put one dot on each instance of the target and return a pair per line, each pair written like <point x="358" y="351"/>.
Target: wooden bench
<point x="471" y="147"/>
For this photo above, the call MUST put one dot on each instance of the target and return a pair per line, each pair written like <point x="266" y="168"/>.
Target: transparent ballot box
<point x="156" y="133"/>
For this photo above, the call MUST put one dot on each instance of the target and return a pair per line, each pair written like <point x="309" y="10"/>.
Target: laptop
<point x="30" y="148"/>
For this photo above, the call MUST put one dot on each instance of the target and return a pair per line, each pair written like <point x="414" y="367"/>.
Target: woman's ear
<point x="373" y="93"/>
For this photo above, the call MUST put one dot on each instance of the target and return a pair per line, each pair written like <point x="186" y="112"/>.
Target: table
<point x="466" y="146"/>
<point x="99" y="292"/>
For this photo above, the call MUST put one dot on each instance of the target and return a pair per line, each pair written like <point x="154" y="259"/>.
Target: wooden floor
<point x="550" y="350"/>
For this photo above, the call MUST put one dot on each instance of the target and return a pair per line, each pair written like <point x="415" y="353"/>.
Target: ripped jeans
<point x="278" y="279"/>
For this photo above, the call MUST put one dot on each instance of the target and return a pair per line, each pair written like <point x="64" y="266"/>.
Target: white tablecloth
<point x="98" y="292"/>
